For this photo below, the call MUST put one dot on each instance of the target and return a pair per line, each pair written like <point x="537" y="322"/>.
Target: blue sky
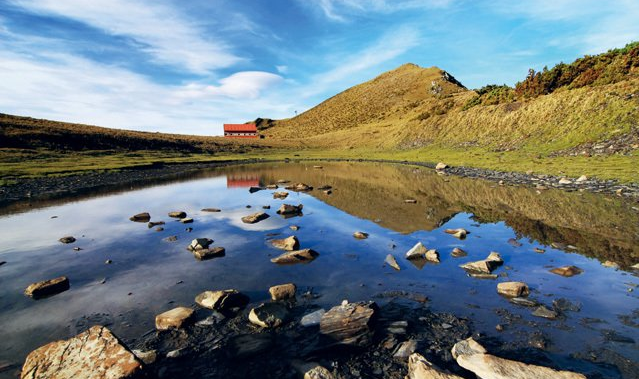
<point x="188" y="66"/>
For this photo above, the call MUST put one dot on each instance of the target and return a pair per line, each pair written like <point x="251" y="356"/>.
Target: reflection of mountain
<point x="598" y="226"/>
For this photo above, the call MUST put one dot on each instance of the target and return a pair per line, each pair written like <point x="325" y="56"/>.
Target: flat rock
<point x="174" y="318"/>
<point x="296" y="256"/>
<point x="405" y="349"/>
<point x="312" y="318"/>
<point x="513" y="289"/>
<point x="154" y="223"/>
<point x="177" y="214"/>
<point x="567" y="271"/>
<point x="268" y="315"/>
<point x="351" y="323"/>
<point x="280" y="195"/>
<point x="283" y="291"/>
<point x="223" y="300"/>
<point x="542" y="311"/>
<point x="360" y="235"/>
<point x="212" y="210"/>
<point x="287" y="209"/>
<point x="93" y="354"/>
<point x="391" y="261"/>
<point x="141" y="217"/>
<point x="200" y="243"/>
<point x="210" y="253"/>
<point x="290" y="243"/>
<point x="485" y="266"/>
<point x="47" y="287"/>
<point x="420" y="368"/>
<point x="186" y="220"/>
<point x="458" y="253"/>
<point x="255" y="217"/>
<point x="67" y="239"/>
<point x="523" y="302"/>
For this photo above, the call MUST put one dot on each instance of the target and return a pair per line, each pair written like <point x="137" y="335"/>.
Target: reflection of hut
<point x="242" y="180"/>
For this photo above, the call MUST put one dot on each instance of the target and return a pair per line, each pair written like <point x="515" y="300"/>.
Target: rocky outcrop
<point x="296" y="256"/>
<point x="47" y="287"/>
<point x="420" y="368"/>
<point x="94" y="354"/>
<point x="350" y="323"/>
<point x="175" y="318"/>
<point x="473" y="357"/>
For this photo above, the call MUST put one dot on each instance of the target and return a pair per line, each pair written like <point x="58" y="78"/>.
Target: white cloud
<point x="241" y="85"/>
<point x="165" y="34"/>
<point x="340" y="10"/>
<point x="282" y="69"/>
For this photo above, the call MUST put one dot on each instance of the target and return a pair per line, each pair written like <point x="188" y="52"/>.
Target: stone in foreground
<point x="420" y="368"/>
<point x="290" y="243"/>
<point x="47" y="287"/>
<point x="567" y="271"/>
<point x="351" y="323"/>
<point x="268" y="315"/>
<point x="318" y="372"/>
<point x="222" y="300"/>
<point x="296" y="256"/>
<point x="283" y="291"/>
<point x="173" y="319"/>
<point x="473" y="357"/>
<point x="513" y="289"/>
<point x="94" y="354"/>
<point x="255" y="217"/>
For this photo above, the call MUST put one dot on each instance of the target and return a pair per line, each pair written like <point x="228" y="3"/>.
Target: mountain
<point x="592" y="100"/>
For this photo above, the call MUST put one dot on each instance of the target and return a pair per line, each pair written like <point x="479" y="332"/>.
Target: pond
<point x="533" y="231"/>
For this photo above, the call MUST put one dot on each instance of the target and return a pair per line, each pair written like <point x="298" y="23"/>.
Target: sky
<point x="187" y="67"/>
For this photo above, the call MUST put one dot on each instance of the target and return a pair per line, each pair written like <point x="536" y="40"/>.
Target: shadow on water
<point x="148" y="275"/>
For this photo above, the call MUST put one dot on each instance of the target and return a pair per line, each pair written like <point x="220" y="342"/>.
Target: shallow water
<point x="149" y="275"/>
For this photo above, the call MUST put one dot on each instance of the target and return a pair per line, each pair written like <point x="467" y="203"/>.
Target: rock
<point x="174" y="318"/>
<point x="213" y="210"/>
<point x="611" y="264"/>
<point x="200" y="243"/>
<point x="457" y="233"/>
<point x="177" y="353"/>
<point x="410" y="201"/>
<point x="141" y="217"/>
<point x="266" y="207"/>
<point x="186" y="220"/>
<point x="268" y="315"/>
<point x="467" y="347"/>
<point x="312" y="318"/>
<point x="214" y="252"/>
<point x="147" y="357"/>
<point x="566" y="305"/>
<point x="544" y="312"/>
<point x="170" y="239"/>
<point x="420" y="368"/>
<point x="287" y="209"/>
<point x="564" y="181"/>
<point x="513" y="289"/>
<point x="487" y="366"/>
<point x="280" y="195"/>
<point x="581" y="179"/>
<point x="391" y="261"/>
<point x="318" y="167"/>
<point x="360" y="235"/>
<point x="458" y="253"/>
<point x="177" y="214"/>
<point x="539" y="250"/>
<point x="416" y="252"/>
<point x="405" y="349"/>
<point x="255" y="189"/>
<point x="523" y="302"/>
<point x="441" y="166"/>
<point x="318" y="372"/>
<point x="328" y="192"/>
<point x="350" y="324"/>
<point x="283" y="291"/>
<point x="67" y="239"/>
<point x="272" y="186"/>
<point x="567" y="271"/>
<point x="154" y="223"/>
<point x="47" y="288"/>
<point x="108" y="261"/>
<point x="296" y="256"/>
<point x="290" y="243"/>
<point x="255" y="217"/>
<point x="485" y="266"/>
<point x="222" y="301"/>
<point x="432" y="256"/>
<point x="93" y="354"/>
<point x="513" y="242"/>
<point x="300" y="187"/>
<point x="480" y="275"/>
<point x="294" y="227"/>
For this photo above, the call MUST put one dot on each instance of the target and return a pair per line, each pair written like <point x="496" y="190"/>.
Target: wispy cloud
<point x="342" y="10"/>
<point x="160" y="30"/>
<point x="241" y="85"/>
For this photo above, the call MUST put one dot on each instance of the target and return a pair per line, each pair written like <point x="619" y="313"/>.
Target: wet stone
<point x="290" y="243"/>
<point x="513" y="289"/>
<point x="543" y="311"/>
<point x="350" y="324"/>
<point x="47" y="288"/>
<point x="296" y="256"/>
<point x="312" y="318"/>
<point x="458" y="253"/>
<point x="223" y="300"/>
<point x="523" y="302"/>
<point x="360" y="235"/>
<point x="67" y="239"/>
<point x="254" y="218"/>
<point x="175" y="318"/>
<point x="268" y="315"/>
<point x="210" y="253"/>
<point x="280" y="195"/>
<point x="177" y="214"/>
<point x="141" y="217"/>
<point x="287" y="209"/>
<point x="391" y="261"/>
<point x="283" y="292"/>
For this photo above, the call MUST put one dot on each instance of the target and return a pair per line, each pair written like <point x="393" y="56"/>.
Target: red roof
<point x="240" y="128"/>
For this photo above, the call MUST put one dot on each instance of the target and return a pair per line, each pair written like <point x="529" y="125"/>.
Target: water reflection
<point x="150" y="275"/>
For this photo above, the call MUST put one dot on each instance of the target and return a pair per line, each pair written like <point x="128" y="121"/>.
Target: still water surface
<point x="149" y="275"/>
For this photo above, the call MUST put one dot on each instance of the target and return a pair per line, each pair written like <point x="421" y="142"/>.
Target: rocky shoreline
<point x="57" y="187"/>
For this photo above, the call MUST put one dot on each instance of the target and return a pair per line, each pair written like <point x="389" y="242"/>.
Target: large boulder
<point x="175" y="318"/>
<point x="47" y="287"/>
<point x="223" y="300"/>
<point x="296" y="256"/>
<point x="420" y="368"/>
<point x="350" y="323"/>
<point x="93" y="354"/>
<point x="473" y="357"/>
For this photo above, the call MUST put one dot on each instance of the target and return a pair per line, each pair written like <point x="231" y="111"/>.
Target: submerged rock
<point x="567" y="271"/>
<point x="296" y="256"/>
<point x="223" y="300"/>
<point x="283" y="291"/>
<point x="391" y="261"/>
<point x="544" y="312"/>
<point x="174" y="318"/>
<point x="214" y="210"/>
<point x="351" y="323"/>
<point x="141" y="217"/>
<point x="420" y="368"/>
<point x="47" y="287"/>
<point x="513" y="289"/>
<point x="290" y="243"/>
<point x="93" y="354"/>
<point x="177" y="214"/>
<point x="268" y="315"/>
<point x="523" y="302"/>
<point x="67" y="239"/>
<point x="255" y="217"/>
